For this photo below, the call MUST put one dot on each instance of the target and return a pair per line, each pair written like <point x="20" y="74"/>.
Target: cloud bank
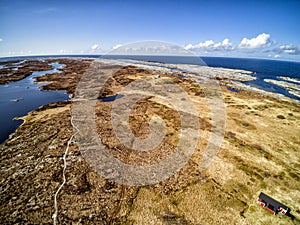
<point x="258" y="46"/>
<point x="211" y="45"/>
<point x="261" y="41"/>
<point x="287" y="49"/>
<point x="149" y="48"/>
<point x="261" y="44"/>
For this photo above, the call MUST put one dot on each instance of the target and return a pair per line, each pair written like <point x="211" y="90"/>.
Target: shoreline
<point x="221" y="73"/>
<point x="230" y="78"/>
<point x="33" y="89"/>
<point x="253" y="157"/>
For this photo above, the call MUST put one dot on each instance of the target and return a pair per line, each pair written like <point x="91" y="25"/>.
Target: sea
<point x="20" y="97"/>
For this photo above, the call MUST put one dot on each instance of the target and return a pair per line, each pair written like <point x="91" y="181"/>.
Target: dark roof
<point x="272" y="201"/>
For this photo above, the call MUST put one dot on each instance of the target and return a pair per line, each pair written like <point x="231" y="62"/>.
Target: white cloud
<point x="1" y="39"/>
<point x="261" y="41"/>
<point x="64" y="51"/>
<point x="211" y="45"/>
<point x="224" y="45"/>
<point x="116" y="46"/>
<point x="288" y="49"/>
<point x="95" y="47"/>
<point x="189" y="47"/>
<point x="276" y="56"/>
<point x="206" y="44"/>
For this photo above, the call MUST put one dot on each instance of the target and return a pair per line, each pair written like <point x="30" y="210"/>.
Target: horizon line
<point x="103" y="54"/>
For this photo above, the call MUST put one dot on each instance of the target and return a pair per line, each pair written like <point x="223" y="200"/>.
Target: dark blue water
<point x="233" y="90"/>
<point x="264" y="69"/>
<point x="111" y="98"/>
<point x="266" y="66"/>
<point x="20" y="97"/>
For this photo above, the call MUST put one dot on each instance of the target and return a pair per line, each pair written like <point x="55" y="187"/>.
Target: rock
<point x="280" y="117"/>
<point x="245" y="124"/>
<point x="16" y="100"/>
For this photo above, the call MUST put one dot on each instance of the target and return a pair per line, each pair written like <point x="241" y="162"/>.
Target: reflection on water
<point x="20" y="97"/>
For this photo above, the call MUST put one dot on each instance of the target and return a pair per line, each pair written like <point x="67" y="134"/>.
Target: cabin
<point x="271" y="205"/>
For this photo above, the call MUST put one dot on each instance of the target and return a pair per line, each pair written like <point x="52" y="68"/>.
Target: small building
<point x="271" y="205"/>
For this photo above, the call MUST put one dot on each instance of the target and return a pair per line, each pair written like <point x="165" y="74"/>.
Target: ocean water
<point x="264" y="69"/>
<point x="32" y="97"/>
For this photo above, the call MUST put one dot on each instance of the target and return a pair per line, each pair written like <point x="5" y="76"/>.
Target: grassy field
<point x="260" y="152"/>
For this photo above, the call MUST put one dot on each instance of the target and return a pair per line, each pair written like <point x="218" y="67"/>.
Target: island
<point x="259" y="152"/>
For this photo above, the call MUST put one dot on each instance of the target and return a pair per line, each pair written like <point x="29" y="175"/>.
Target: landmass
<point x="16" y="70"/>
<point x="260" y="152"/>
<point x="293" y="88"/>
<point x="295" y="80"/>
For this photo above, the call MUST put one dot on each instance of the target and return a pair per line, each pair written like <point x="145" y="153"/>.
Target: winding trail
<point x="55" y="214"/>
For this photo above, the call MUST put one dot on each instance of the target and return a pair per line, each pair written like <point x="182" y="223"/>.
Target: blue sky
<point x="267" y="29"/>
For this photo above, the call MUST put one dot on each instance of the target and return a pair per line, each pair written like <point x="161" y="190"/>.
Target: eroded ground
<point x="260" y="152"/>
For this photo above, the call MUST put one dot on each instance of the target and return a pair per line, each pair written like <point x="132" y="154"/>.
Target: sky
<point x="259" y="29"/>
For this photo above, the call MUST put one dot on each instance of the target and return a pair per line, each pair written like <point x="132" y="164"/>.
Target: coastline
<point x="254" y="157"/>
<point x="292" y="88"/>
<point x="20" y="97"/>
<point x="15" y="72"/>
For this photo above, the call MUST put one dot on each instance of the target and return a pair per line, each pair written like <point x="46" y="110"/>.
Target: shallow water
<point x="20" y="97"/>
<point x="111" y="98"/>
